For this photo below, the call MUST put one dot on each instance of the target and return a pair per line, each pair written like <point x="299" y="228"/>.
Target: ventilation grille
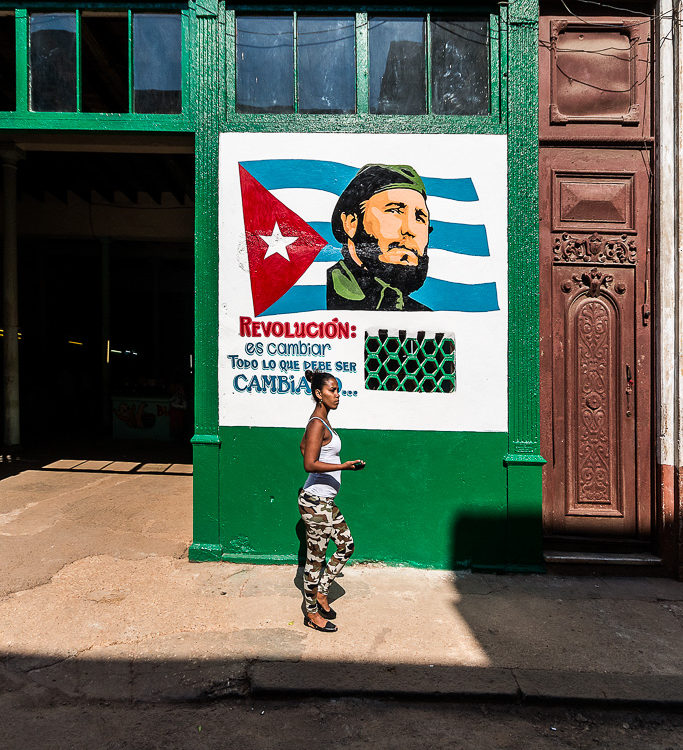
<point x="413" y="362"/>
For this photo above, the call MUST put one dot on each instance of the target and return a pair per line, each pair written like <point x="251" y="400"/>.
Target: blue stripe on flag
<point x="329" y="254"/>
<point x="435" y="293"/>
<point x="324" y="229"/>
<point x="455" y="188"/>
<point x="448" y="295"/>
<point x="466" y="239"/>
<point x="275" y="174"/>
<point x="299" y="299"/>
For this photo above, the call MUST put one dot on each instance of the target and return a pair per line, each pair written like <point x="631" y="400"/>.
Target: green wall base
<point x="205" y="552"/>
<point x="431" y="500"/>
<point x="426" y="499"/>
<point x="525" y="514"/>
<point x="259" y="559"/>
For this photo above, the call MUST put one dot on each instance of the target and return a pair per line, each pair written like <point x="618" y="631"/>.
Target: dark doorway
<point x="106" y="295"/>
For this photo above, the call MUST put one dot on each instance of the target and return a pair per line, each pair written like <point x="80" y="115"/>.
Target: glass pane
<point x="157" y="66"/>
<point x="397" y="66"/>
<point x="8" y="73"/>
<point x="104" y="62"/>
<point x="460" y="67"/>
<point x="265" y="64"/>
<point x="53" y="62"/>
<point x="326" y="64"/>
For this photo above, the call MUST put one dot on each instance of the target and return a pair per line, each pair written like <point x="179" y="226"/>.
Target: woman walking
<point x="320" y="447"/>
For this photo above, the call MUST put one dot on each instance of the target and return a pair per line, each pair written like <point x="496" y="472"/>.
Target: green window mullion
<point x="131" y="96"/>
<point x="502" y="62"/>
<point x="22" y="55"/>
<point x="79" y="76"/>
<point x="362" y="64"/>
<point x="494" y="57"/>
<point x="428" y="62"/>
<point x="296" y="65"/>
<point x="185" y="66"/>
<point x="230" y="61"/>
<point x="494" y="66"/>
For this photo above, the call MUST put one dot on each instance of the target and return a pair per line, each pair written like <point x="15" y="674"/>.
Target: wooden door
<point x="595" y="226"/>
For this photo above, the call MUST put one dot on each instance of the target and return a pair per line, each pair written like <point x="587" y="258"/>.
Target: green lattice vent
<point x="415" y="363"/>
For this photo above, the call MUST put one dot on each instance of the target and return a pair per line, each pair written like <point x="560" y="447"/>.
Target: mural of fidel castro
<point x="382" y="221"/>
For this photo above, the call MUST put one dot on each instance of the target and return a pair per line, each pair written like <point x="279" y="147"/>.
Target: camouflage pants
<point x="323" y="521"/>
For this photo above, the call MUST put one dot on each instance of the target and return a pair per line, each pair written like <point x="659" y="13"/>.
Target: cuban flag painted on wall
<point x="287" y="205"/>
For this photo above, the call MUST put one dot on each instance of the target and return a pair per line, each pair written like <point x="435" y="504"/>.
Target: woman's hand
<point x="354" y="465"/>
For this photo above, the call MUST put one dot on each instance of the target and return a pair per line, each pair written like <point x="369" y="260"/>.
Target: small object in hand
<point x="359" y="465"/>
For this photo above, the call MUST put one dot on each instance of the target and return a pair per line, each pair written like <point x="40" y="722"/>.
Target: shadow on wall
<point x="481" y="542"/>
<point x="503" y="542"/>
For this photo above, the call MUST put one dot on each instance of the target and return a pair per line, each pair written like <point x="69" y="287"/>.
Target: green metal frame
<point x="514" y="104"/>
<point x="25" y="119"/>
<point x="524" y="461"/>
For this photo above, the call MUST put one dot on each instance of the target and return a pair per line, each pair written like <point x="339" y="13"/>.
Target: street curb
<point x="137" y="680"/>
<point x="439" y="682"/>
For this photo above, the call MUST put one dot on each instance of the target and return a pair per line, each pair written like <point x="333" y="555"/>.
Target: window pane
<point x="265" y="64"/>
<point x="53" y="62"/>
<point x="8" y="73"/>
<point x="157" y="66"/>
<point x="397" y="66"/>
<point x="104" y="62"/>
<point x="460" y="67"/>
<point x="326" y="64"/>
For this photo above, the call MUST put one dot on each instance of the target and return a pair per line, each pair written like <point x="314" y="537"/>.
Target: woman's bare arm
<point x="312" y="443"/>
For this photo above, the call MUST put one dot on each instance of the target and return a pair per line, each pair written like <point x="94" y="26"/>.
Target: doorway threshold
<point x="601" y="558"/>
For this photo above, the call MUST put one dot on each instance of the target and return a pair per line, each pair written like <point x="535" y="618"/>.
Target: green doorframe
<point x="212" y="95"/>
<point x="208" y="93"/>
<point x="524" y="462"/>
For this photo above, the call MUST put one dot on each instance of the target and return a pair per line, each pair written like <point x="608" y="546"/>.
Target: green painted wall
<point x="433" y="499"/>
<point x="426" y="498"/>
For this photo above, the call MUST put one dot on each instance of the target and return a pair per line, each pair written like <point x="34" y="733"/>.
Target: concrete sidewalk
<point x="98" y="601"/>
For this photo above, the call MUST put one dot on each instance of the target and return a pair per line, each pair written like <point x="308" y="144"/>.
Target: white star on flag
<point x="277" y="243"/>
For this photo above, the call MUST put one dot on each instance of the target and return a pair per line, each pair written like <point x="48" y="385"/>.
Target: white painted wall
<point x="480" y="401"/>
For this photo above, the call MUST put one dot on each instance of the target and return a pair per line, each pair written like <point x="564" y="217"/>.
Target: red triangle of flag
<point x="280" y="244"/>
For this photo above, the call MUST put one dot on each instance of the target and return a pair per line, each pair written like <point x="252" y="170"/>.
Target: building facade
<point x="504" y="329"/>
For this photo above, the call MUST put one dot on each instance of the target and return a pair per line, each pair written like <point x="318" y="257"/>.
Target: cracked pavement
<point x="99" y="602"/>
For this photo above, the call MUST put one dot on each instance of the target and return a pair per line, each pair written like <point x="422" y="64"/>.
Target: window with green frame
<point x="410" y="64"/>
<point x="91" y="61"/>
<point x="8" y="75"/>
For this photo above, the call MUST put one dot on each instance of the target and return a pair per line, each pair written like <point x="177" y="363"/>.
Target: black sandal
<point x="328" y="614"/>
<point x="329" y="627"/>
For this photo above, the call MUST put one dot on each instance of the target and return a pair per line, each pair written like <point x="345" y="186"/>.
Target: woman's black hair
<point x="318" y="378"/>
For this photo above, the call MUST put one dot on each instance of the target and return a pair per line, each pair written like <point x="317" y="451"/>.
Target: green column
<point x="206" y="99"/>
<point x="524" y="462"/>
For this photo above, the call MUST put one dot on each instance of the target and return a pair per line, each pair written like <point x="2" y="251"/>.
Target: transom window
<point x="94" y="61"/>
<point x="416" y="65"/>
<point x="8" y="65"/>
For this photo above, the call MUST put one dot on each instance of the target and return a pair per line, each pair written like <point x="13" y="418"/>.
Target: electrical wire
<point x="621" y="54"/>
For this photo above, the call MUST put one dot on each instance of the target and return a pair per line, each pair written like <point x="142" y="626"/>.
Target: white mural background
<point x="479" y="402"/>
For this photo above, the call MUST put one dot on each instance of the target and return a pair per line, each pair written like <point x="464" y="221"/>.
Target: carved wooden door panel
<point x="595" y="342"/>
<point x="595" y="131"/>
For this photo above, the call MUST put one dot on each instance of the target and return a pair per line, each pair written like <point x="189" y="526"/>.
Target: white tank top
<point x="326" y="483"/>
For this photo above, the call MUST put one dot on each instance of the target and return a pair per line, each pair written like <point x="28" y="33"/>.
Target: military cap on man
<point x="370" y="180"/>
